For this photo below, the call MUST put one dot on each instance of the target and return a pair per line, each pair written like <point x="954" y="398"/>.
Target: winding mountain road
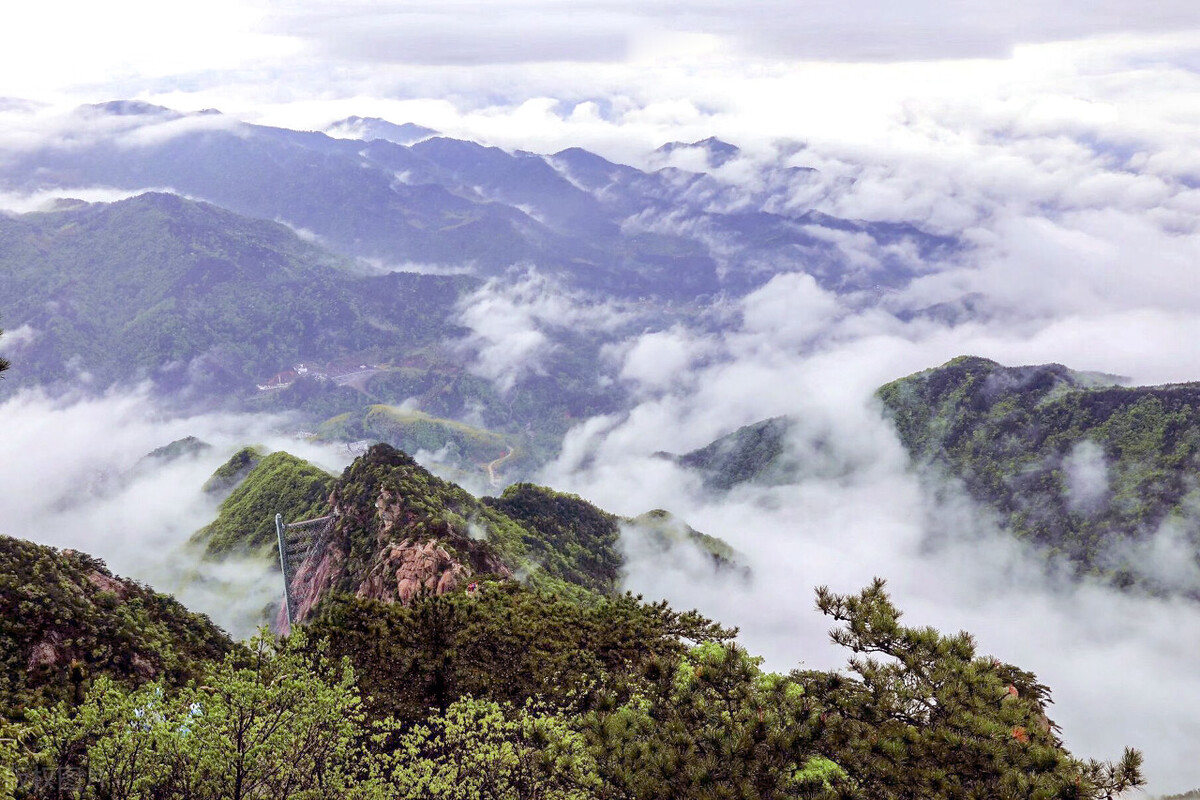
<point x="491" y="467"/>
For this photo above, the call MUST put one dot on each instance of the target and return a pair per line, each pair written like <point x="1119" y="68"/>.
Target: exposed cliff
<point x="400" y="532"/>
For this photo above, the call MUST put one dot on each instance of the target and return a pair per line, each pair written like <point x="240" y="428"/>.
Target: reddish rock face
<point x="44" y="655"/>
<point x="108" y="584"/>
<point x="403" y="570"/>
<point x="408" y="561"/>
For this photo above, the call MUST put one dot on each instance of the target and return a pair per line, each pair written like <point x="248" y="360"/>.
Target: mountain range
<point x="396" y="198"/>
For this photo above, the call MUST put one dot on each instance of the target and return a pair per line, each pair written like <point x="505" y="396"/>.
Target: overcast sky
<point x="253" y="54"/>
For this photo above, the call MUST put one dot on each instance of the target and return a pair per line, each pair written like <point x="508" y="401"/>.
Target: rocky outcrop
<point x="398" y="533"/>
<point x="407" y="569"/>
<point x="66" y="619"/>
<point x="46" y="654"/>
<point x="107" y="583"/>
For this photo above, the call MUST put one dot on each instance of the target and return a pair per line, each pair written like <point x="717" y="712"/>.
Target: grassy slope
<point x="279" y="484"/>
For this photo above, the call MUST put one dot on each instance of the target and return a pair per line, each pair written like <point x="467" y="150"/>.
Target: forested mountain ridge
<point x="65" y="619"/>
<point x="260" y="487"/>
<point x="1100" y="473"/>
<point x="400" y="531"/>
<point x="755" y="453"/>
<point x="194" y="297"/>
<point x="602" y="226"/>
<point x="504" y="691"/>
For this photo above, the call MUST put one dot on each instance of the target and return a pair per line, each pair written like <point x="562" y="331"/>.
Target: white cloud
<point x="70" y="476"/>
<point x="791" y="308"/>
<point x="512" y="322"/>
<point x="657" y="360"/>
<point x="1087" y="477"/>
<point x="17" y="337"/>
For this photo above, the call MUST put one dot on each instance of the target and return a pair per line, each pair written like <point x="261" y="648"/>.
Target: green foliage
<point x="279" y="721"/>
<point x="576" y="540"/>
<point x="1012" y="435"/>
<point x="279" y="484"/>
<point x="484" y="750"/>
<point x="511" y="693"/>
<point x="929" y="718"/>
<point x="709" y="724"/>
<point x="10" y="756"/>
<point x="506" y="643"/>
<point x="65" y="619"/>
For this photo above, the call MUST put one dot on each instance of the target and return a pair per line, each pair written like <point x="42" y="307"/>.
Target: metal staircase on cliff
<point x="297" y="541"/>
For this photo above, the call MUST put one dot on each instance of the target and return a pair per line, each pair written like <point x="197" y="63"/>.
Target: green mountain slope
<point x="65" y="619"/>
<point x="1078" y="465"/>
<point x="575" y="538"/>
<point x="664" y="532"/>
<point x="227" y="476"/>
<point x="278" y="483"/>
<point x="190" y="295"/>
<point x="755" y="453"/>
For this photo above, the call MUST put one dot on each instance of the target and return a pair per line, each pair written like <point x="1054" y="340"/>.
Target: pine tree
<point x="3" y="363"/>
<point x="927" y="717"/>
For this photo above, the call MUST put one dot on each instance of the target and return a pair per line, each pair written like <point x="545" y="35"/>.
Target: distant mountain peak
<point x="371" y="128"/>
<point x="132" y="108"/>
<point x="718" y="152"/>
<point x="1071" y="461"/>
<point x="755" y="453"/>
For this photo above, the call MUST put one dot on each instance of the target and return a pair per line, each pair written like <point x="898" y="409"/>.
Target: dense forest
<point x="512" y="693"/>
<point x="1076" y="464"/>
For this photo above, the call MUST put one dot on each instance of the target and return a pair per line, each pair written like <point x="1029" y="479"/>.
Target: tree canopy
<point x="3" y="363"/>
<point x="508" y="693"/>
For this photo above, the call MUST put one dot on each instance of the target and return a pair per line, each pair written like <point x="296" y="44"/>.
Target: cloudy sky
<point x="1060" y="141"/>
